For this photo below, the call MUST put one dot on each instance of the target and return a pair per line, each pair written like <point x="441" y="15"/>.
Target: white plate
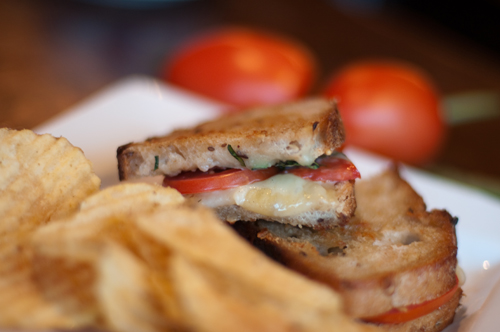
<point x="140" y="107"/>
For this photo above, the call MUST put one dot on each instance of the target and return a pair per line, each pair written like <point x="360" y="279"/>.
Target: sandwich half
<point x="278" y="163"/>
<point x="395" y="264"/>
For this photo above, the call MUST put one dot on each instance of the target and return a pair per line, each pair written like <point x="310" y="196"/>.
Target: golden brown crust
<point x="300" y="131"/>
<point x="391" y="254"/>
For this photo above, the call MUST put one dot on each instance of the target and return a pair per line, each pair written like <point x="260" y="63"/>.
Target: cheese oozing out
<point x="282" y="195"/>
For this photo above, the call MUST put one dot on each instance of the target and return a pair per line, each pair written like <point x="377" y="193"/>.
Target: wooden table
<point x="54" y="53"/>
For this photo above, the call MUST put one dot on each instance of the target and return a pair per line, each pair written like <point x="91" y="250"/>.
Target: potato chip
<point x="136" y="258"/>
<point x="42" y="178"/>
<point x="216" y="274"/>
<point x="62" y="267"/>
<point x="124" y="197"/>
<point x="128" y="293"/>
<point x="99" y="214"/>
<point x="22" y="304"/>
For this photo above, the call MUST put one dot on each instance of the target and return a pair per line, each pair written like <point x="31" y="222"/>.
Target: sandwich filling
<point x="279" y="191"/>
<point x="282" y="195"/>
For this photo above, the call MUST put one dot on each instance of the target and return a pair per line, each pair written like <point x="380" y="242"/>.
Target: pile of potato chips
<point x="133" y="257"/>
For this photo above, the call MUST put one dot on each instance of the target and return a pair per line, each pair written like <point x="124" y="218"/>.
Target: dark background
<point x="476" y="21"/>
<point x="55" y="53"/>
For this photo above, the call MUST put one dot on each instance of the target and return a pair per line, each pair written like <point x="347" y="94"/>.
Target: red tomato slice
<point x="402" y="315"/>
<point x="197" y="182"/>
<point x="331" y="168"/>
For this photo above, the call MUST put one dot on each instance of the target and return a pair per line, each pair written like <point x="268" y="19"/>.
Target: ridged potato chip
<point x="136" y="257"/>
<point x="66" y="256"/>
<point x="42" y="178"/>
<point x="216" y="274"/>
<point x="23" y="306"/>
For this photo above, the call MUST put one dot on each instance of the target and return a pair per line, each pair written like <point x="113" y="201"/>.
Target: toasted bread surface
<point x="261" y="137"/>
<point x="393" y="253"/>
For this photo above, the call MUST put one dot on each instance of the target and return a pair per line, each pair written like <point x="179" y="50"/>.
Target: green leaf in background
<point x="471" y="106"/>
<point x="488" y="184"/>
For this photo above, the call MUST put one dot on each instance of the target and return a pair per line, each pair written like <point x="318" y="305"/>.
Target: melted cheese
<point x="282" y="195"/>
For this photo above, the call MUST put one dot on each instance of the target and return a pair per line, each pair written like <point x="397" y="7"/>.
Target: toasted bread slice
<point x="261" y="137"/>
<point x="393" y="253"/>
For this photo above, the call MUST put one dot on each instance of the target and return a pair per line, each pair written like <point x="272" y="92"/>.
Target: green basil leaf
<point x="157" y="161"/>
<point x="233" y="153"/>
<point x="314" y="166"/>
<point x="292" y="163"/>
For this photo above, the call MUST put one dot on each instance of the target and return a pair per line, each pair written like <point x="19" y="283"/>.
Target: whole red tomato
<point x="390" y="108"/>
<point x="243" y="67"/>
